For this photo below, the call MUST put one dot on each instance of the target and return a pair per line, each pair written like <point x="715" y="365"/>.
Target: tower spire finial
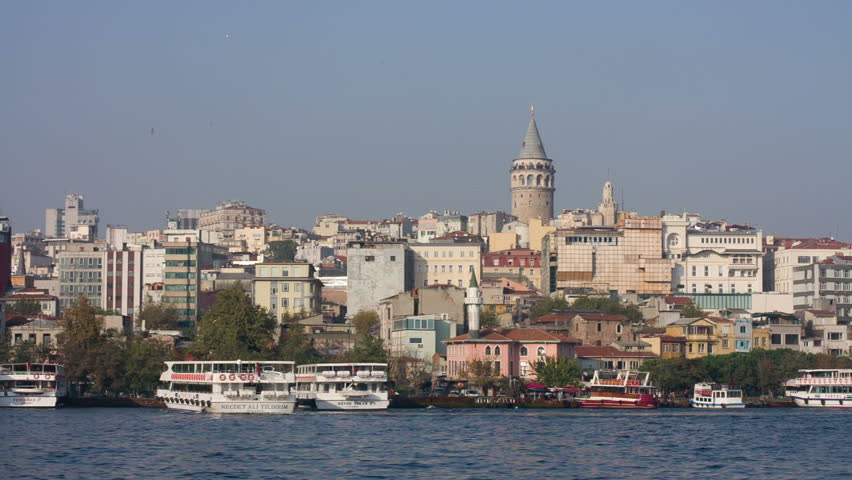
<point x="532" y="110"/>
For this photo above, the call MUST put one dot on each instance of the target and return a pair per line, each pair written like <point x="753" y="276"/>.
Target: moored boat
<point x="620" y="389"/>
<point x="32" y="385"/>
<point x="713" y="395"/>
<point x="343" y="386"/>
<point x="821" y="388"/>
<point x="229" y="386"/>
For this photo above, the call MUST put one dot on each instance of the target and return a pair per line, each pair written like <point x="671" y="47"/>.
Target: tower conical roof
<point x="532" y="146"/>
<point x="473" y="283"/>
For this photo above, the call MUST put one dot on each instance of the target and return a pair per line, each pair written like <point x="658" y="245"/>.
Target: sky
<point x="736" y="110"/>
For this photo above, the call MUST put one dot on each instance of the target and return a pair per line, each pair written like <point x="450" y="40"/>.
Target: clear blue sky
<point x="736" y="110"/>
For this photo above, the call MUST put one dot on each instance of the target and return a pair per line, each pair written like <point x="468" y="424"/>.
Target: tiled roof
<point x="818" y="243"/>
<point x="719" y="320"/>
<point x="515" y="335"/>
<point x="603" y="352"/>
<point x="603" y="317"/>
<point x="17" y="296"/>
<point x="554" y="317"/>
<point x="677" y="300"/>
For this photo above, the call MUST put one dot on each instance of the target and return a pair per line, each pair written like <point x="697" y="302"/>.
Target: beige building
<point x="231" y="215"/>
<point x="786" y="254"/>
<point x="444" y="301"/>
<point x="253" y="238"/>
<point x="287" y="288"/>
<point x="446" y="263"/>
<point x="625" y="258"/>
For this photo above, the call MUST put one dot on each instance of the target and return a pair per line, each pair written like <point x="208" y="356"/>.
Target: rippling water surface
<point x="116" y="443"/>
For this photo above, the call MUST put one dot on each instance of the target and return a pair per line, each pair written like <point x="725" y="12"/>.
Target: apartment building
<point x="287" y="288"/>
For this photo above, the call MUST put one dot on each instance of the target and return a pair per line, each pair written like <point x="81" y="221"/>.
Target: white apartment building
<point x="446" y="263"/>
<point x="712" y="257"/>
<point x="784" y="255"/>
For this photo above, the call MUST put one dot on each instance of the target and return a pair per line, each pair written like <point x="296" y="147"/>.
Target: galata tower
<point x="533" y="179"/>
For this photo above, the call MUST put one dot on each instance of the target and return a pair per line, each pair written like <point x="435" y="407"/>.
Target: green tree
<point x="5" y="349"/>
<point x="488" y="318"/>
<point x="80" y="340"/>
<point x="24" y="307"/>
<point x="547" y="305"/>
<point x="281" y="251"/>
<point x="144" y="362"/>
<point x="297" y="347"/>
<point x="609" y="306"/>
<point x="483" y="373"/>
<point x="26" y="352"/>
<point x="557" y="371"/>
<point x="157" y="316"/>
<point x="691" y="310"/>
<point x="365" y="322"/>
<point x="234" y="328"/>
<point x="369" y="349"/>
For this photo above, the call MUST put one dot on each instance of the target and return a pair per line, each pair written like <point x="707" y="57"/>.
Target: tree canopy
<point x="234" y="328"/>
<point x="282" y="251"/>
<point x="297" y="346"/>
<point x="157" y="316"/>
<point x="368" y="349"/>
<point x="365" y="322"/>
<point x="488" y="318"/>
<point x="546" y="305"/>
<point x="557" y="371"/>
<point x="610" y="306"/>
<point x="24" y="307"/>
<point x="691" y="310"/>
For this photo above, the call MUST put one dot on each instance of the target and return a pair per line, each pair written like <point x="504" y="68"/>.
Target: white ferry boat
<point x="620" y="389"/>
<point x="829" y="388"/>
<point x="229" y="386"/>
<point x="343" y="386"/>
<point x="713" y="395"/>
<point x="32" y="385"/>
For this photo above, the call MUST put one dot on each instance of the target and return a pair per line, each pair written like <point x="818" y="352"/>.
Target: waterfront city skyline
<point x="732" y="111"/>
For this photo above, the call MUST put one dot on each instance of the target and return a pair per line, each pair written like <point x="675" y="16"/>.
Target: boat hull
<point x="29" y="401"/>
<point x="275" y="407"/>
<point x="351" y="404"/>
<point x="808" y="402"/>
<point x="716" y="406"/>
<point x="625" y="403"/>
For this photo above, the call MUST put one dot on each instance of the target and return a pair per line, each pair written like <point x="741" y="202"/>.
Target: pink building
<point x="512" y="350"/>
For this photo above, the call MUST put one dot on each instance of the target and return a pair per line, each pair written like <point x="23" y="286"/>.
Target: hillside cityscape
<point x="602" y="286"/>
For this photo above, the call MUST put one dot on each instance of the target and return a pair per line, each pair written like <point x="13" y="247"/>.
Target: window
<point x="540" y="351"/>
<point x="415" y="340"/>
<point x="497" y="350"/>
<point x="599" y="326"/>
<point x="393" y="258"/>
<point x="524" y="352"/>
<point x="488" y="351"/>
<point x="618" y="328"/>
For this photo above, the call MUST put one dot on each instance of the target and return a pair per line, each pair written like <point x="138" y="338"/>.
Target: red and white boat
<point x="620" y="389"/>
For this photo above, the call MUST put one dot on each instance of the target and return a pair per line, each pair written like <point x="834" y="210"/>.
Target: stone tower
<point x="473" y="302"/>
<point x="608" y="207"/>
<point x="533" y="179"/>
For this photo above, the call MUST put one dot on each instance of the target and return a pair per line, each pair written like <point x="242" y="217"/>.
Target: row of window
<point x="708" y="288"/>
<point x="595" y="240"/>
<point x="721" y="271"/>
<point x="460" y="282"/>
<point x="444" y="268"/>
<point x="82" y="262"/>
<point x="722" y="240"/>
<point x="448" y="253"/>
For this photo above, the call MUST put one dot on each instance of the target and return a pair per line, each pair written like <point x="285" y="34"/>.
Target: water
<point x="101" y="443"/>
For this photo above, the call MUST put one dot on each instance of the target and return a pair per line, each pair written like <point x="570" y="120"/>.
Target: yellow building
<point x="446" y="263"/>
<point x="704" y="336"/>
<point x="537" y="233"/>
<point x="502" y="241"/>
<point x="287" y="287"/>
<point x="253" y="238"/>
<point x="760" y="338"/>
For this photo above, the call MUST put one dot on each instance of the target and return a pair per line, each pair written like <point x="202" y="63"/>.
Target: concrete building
<point x="827" y="281"/>
<point x="532" y="179"/>
<point x="704" y="336"/>
<point x="5" y="255"/>
<point x="598" y="329"/>
<point x="376" y="271"/>
<point x="187" y="218"/>
<point x="123" y="281"/>
<point x="485" y="224"/>
<point x="444" y="301"/>
<point x="229" y="216"/>
<point x="712" y="257"/>
<point x="446" y="262"/>
<point x="743" y="335"/>
<point x="606" y="357"/>
<point x="153" y="274"/>
<point x="421" y="336"/>
<point x="521" y="265"/>
<point x="81" y="270"/>
<point x="252" y="238"/>
<point x="43" y="332"/>
<point x="782" y="255"/>
<point x="287" y="288"/>
<point x="823" y="333"/>
<point x="627" y="258"/>
<point x="182" y="276"/>
<point x="61" y="222"/>
<point x="451" y="222"/>
<point x="666" y="346"/>
<point x="313" y="252"/>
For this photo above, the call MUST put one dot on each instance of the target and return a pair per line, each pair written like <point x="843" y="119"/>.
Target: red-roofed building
<point x="825" y="285"/>
<point x="520" y="264"/>
<point x="591" y="328"/>
<point x="597" y="358"/>
<point x="48" y="304"/>
<point x="512" y="350"/>
<point x="666" y="346"/>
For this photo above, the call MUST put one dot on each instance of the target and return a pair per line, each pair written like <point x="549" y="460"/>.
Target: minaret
<point x="532" y="178"/>
<point x="473" y="302"/>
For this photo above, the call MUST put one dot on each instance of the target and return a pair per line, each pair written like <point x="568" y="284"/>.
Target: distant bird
<point x="153" y="132"/>
<point x="227" y="35"/>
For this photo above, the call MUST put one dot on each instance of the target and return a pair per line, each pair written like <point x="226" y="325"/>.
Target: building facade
<point x="421" y="336"/>
<point x="182" y="276"/>
<point x="123" y="281"/>
<point x="61" y="222"/>
<point x="521" y="265"/>
<point x="446" y="262"/>
<point x="81" y="271"/>
<point x="784" y="255"/>
<point x="287" y="288"/>
<point x="5" y="255"/>
<point x="376" y="271"/>
<point x="532" y="179"/>
<point x="231" y="215"/>
<point x="829" y="279"/>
